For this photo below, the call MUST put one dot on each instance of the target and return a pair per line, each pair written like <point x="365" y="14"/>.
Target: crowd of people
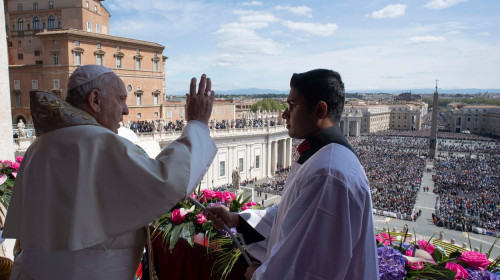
<point x="394" y="168"/>
<point x="464" y="213"/>
<point x="242" y="123"/>
<point x="154" y="126"/>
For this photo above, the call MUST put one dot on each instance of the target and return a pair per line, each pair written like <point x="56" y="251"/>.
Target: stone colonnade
<point x="351" y="126"/>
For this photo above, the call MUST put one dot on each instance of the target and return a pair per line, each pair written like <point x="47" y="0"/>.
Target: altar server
<point x="84" y="194"/>
<point x="323" y="227"/>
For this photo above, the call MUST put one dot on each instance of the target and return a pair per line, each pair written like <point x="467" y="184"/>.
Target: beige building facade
<point x="476" y="119"/>
<point x="48" y="41"/>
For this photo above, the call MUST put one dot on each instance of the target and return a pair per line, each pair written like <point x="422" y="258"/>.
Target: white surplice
<point x="323" y="227"/>
<point x="83" y="195"/>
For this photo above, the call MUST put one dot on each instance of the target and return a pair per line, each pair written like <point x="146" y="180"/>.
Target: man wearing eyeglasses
<point x="323" y="227"/>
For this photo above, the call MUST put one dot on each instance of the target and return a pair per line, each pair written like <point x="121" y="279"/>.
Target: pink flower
<point x="422" y="244"/>
<point x="413" y="265"/>
<point x="3" y="178"/>
<point x="19" y="159"/>
<point x="384" y="237"/>
<point x="193" y="196"/>
<point x="201" y="218"/>
<point x="474" y="259"/>
<point x="14" y="173"/>
<point x="7" y="163"/>
<point x="460" y="270"/>
<point x="15" y="165"/>
<point x="178" y="215"/>
<point x="219" y="196"/>
<point x="209" y="194"/>
<point x="245" y="208"/>
<point x="227" y="197"/>
<point x="251" y="203"/>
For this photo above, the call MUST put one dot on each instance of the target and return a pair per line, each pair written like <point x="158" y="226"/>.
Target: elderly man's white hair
<point x="84" y="80"/>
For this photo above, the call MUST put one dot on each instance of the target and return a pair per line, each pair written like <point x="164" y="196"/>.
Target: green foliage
<point x="431" y="272"/>
<point x="8" y="171"/>
<point x="268" y="105"/>
<point x="443" y="102"/>
<point x="439" y="254"/>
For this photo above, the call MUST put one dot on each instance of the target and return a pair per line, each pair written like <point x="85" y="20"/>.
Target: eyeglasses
<point x="291" y="106"/>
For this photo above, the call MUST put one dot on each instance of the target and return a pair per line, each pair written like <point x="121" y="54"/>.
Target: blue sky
<point x="373" y="44"/>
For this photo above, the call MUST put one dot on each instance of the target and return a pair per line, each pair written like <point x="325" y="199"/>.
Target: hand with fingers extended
<point x="199" y="104"/>
<point x="220" y="216"/>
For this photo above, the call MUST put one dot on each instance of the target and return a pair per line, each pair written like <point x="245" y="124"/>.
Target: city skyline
<point x="375" y="45"/>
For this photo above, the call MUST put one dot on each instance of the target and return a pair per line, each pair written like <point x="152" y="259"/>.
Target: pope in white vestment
<point x="84" y="194"/>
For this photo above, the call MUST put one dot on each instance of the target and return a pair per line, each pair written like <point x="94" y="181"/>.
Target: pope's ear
<point x="322" y="110"/>
<point x="94" y="100"/>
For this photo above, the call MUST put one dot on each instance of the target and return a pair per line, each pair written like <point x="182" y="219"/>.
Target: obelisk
<point x="433" y="137"/>
<point x="6" y="141"/>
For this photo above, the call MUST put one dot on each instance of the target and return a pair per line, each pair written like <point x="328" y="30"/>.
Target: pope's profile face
<point x="114" y="104"/>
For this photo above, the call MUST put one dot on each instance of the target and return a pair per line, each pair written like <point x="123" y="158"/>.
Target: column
<point x="288" y="151"/>
<point x="274" y="157"/>
<point x="6" y="143"/>
<point x="358" y="128"/>
<point x="282" y="150"/>
<point x="268" y="158"/>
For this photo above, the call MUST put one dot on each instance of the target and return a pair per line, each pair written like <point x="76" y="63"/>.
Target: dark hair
<point x="321" y="85"/>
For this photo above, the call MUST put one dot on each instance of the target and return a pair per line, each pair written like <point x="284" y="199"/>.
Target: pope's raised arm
<point x="199" y="105"/>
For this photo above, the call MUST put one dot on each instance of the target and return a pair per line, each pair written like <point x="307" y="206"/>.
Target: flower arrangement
<point x="187" y="221"/>
<point x="398" y="259"/>
<point x="8" y="173"/>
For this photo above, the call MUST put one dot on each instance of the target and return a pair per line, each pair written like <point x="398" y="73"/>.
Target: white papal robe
<point x="83" y="195"/>
<point x="323" y="227"/>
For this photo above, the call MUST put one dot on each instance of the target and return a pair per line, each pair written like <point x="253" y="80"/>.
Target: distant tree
<point x="268" y="105"/>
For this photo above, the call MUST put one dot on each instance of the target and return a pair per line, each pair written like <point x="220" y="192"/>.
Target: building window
<point x="20" y="24"/>
<point x="17" y="84"/>
<point x="51" y="4"/>
<point x="98" y="45"/>
<point x="52" y="22"/>
<point x="36" y="23"/>
<point x="169" y="114"/>
<point x="95" y="9"/>
<point x="10" y="44"/>
<point x="19" y="7"/>
<point x="43" y="25"/>
<point x="222" y="111"/>
<point x="77" y="43"/>
<point x="98" y="59"/>
<point x="230" y="110"/>
<point x="155" y="65"/>
<point x="138" y="115"/>
<point x="240" y="164"/>
<point x="34" y="84"/>
<point x="138" y="99"/>
<point x="129" y="88"/>
<point x="20" y="56"/>
<point x="55" y="58"/>
<point x="118" y="48"/>
<point x="118" y="62"/>
<point x="156" y="114"/>
<point x="37" y="53"/>
<point x="35" y="6"/>
<point x="78" y="58"/>
<point x="18" y="99"/>
<point x="257" y="161"/>
<point x="222" y="168"/>
<point x="97" y="28"/>
<point x="89" y="27"/>
<point x="181" y="113"/>
<point x="28" y="26"/>
<point x="213" y="112"/>
<point x="87" y="5"/>
<point x="137" y="63"/>
<point x="57" y="84"/>
<point x="155" y="99"/>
